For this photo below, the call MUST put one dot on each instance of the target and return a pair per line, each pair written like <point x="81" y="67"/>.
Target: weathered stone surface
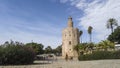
<point x="70" y="38"/>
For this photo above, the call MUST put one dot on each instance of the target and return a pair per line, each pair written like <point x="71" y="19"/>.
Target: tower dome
<point x="70" y="22"/>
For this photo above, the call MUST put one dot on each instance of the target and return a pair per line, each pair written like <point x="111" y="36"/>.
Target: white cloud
<point x="96" y="14"/>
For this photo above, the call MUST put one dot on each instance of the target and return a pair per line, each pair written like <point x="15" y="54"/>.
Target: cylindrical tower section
<point x="70" y="38"/>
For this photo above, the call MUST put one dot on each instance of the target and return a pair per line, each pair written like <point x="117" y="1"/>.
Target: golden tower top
<point x="70" y="22"/>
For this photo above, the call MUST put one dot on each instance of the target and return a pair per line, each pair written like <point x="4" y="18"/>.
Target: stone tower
<point x="70" y="38"/>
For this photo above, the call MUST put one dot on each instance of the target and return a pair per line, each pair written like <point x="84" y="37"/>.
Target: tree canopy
<point x="111" y="23"/>
<point x="48" y="50"/>
<point x="115" y="36"/>
<point x="38" y="48"/>
<point x="105" y="45"/>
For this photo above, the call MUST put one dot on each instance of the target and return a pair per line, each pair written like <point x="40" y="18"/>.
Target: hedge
<point x="97" y="55"/>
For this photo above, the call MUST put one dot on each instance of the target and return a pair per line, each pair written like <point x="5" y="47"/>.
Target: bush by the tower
<point x="16" y="55"/>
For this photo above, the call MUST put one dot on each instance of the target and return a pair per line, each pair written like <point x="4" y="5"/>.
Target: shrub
<point x="16" y="54"/>
<point x="116" y="54"/>
<point x="100" y="55"/>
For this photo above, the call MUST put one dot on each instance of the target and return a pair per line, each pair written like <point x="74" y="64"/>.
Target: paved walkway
<point x="60" y="63"/>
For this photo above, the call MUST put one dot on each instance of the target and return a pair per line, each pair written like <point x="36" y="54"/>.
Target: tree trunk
<point x="90" y="38"/>
<point x="111" y="28"/>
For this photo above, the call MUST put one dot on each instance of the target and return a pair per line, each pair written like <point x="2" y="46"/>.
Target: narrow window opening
<point x="70" y="35"/>
<point x="69" y="42"/>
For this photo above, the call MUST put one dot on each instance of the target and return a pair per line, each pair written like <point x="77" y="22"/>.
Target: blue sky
<point x="43" y="20"/>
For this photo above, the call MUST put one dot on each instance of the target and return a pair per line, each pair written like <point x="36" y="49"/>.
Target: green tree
<point x="77" y="49"/>
<point x="115" y="36"/>
<point x="111" y="23"/>
<point x="16" y="53"/>
<point x="90" y="46"/>
<point x="90" y="32"/>
<point x="59" y="49"/>
<point x="80" y="48"/>
<point x="48" y="50"/>
<point x="106" y="45"/>
<point x="38" y="48"/>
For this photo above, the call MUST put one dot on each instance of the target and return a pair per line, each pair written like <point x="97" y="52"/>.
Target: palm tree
<point x="80" y="49"/>
<point x="80" y="34"/>
<point x="90" y="46"/>
<point x="90" y="32"/>
<point x="111" y="23"/>
<point x="105" y="45"/>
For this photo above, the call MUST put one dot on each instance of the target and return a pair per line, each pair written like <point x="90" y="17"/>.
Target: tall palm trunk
<point x="80" y="39"/>
<point x="90" y="38"/>
<point x="111" y="28"/>
<point x="80" y="35"/>
<point x="90" y="32"/>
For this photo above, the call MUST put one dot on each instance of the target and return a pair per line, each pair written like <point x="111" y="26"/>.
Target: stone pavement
<point x="61" y="63"/>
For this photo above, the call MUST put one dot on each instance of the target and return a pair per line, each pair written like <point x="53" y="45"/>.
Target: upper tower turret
<point x="70" y="22"/>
